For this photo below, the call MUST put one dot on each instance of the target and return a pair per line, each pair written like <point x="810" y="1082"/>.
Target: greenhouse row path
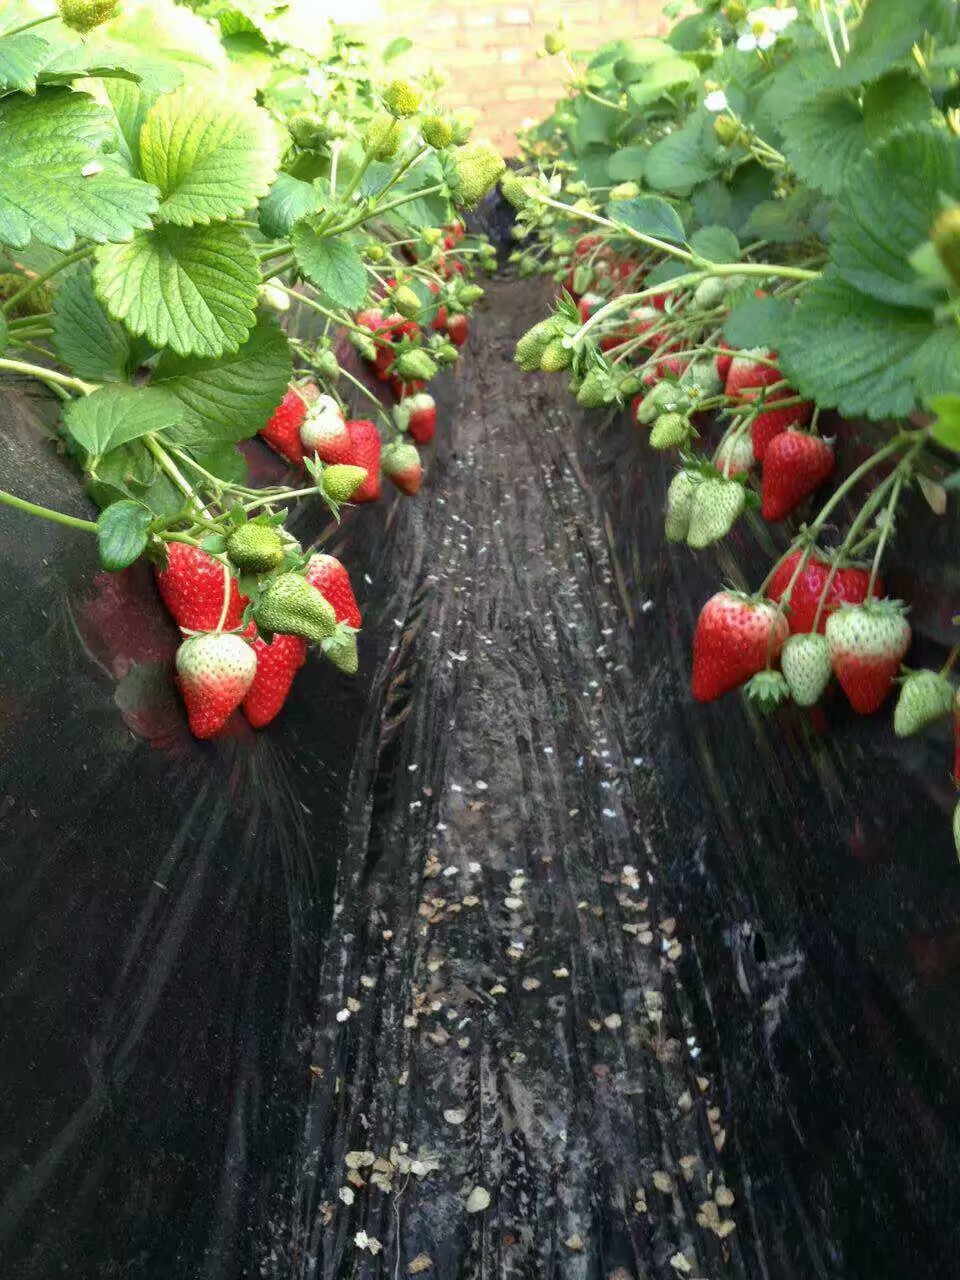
<point x="502" y="998"/>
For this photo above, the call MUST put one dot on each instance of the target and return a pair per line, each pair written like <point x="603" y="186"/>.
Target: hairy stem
<point x="46" y="513"/>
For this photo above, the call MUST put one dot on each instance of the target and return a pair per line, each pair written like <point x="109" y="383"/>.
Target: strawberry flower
<point x="764" y="26"/>
<point x="716" y="101"/>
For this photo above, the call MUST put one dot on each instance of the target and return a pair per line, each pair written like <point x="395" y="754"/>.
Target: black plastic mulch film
<point x="633" y="968"/>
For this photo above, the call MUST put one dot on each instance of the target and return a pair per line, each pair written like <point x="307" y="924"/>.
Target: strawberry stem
<point x="48" y="375"/>
<point x="46" y="513"/>
<point x="226" y="596"/>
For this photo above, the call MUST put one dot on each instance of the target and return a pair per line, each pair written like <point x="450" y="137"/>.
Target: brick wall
<point x="488" y="51"/>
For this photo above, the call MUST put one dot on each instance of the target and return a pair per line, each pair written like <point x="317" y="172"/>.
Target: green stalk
<point x="46" y="513"/>
<point x="29" y="287"/>
<point x="48" y="375"/>
<point x="35" y="22"/>
<point x="391" y="204"/>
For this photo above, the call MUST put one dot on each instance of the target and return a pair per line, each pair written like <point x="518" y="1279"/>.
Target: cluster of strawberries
<point x="223" y="665"/>
<point x="819" y="614"/>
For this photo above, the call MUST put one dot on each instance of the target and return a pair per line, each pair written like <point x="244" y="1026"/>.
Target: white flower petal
<point x="716" y="101"/>
<point x="747" y="42"/>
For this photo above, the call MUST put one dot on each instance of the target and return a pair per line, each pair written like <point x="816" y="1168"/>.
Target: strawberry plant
<point x="201" y="207"/>
<point x="754" y="228"/>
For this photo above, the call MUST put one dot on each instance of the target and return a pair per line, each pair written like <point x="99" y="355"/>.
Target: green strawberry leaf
<point x="396" y="47"/>
<point x="288" y="200"/>
<point x="333" y="264"/>
<point x="823" y="137"/>
<point x="49" y="143"/>
<point x="863" y="356"/>
<point x="757" y="322"/>
<point x="946" y="429"/>
<point x="117" y="415"/>
<point x="659" y="78"/>
<point x="230" y="398"/>
<point x="627" y="164"/>
<point x="650" y="215"/>
<point x="122" y="534"/>
<point x="887" y="32"/>
<point x="85" y="338"/>
<point x="716" y="244"/>
<point x="21" y="57"/>
<point x="785" y="221"/>
<point x="886" y="212"/>
<point x="682" y="159"/>
<point x="193" y="289"/>
<point x="209" y="158"/>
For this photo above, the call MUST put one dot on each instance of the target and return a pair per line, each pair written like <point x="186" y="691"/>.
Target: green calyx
<point x="476" y="170"/>
<point x="291" y="606"/>
<point x="308" y="130"/>
<point x="768" y="689"/>
<point x="436" y="132"/>
<point x="383" y="137"/>
<point x="341" y="481"/>
<point x="84" y="15"/>
<point x="401" y="98"/>
<point x="255" y="548"/>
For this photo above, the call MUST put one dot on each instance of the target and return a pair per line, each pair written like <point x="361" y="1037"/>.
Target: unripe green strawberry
<point x="375" y="252"/>
<point x="436" y="132"/>
<point x="700" y="379"/>
<point x="582" y="278"/>
<point x="670" y="430"/>
<point x="946" y="240"/>
<point x="432" y="235"/>
<point x="735" y="456"/>
<point x="554" y="43"/>
<point x="716" y="507"/>
<point x="727" y="129"/>
<point x="255" y="548"/>
<point x="735" y="11"/>
<point x="623" y="191"/>
<point x="676" y="523"/>
<point x="665" y="397"/>
<point x="630" y="385"/>
<point x="84" y="15"/>
<point x="514" y="190"/>
<point x="555" y="356"/>
<point x="327" y="365"/>
<point x="709" y="293"/>
<point x="383" y="137"/>
<point x="405" y="300"/>
<point x="291" y="606"/>
<point x="341" y="649"/>
<point x="532" y="344"/>
<point x="414" y="366"/>
<point x="562" y="247"/>
<point x="805" y="660"/>
<point x="469" y="294"/>
<point x="591" y="393"/>
<point x="925" y="696"/>
<point x="363" y="344"/>
<point x="308" y="130"/>
<point x="446" y="353"/>
<point x="401" y="98"/>
<point x="341" y="481"/>
<point x="476" y="169"/>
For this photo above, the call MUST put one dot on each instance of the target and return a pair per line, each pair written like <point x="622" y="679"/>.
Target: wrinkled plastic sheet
<point x="510" y="874"/>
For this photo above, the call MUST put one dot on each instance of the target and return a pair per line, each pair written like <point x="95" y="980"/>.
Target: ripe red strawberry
<point x="867" y="643"/>
<point x="365" y="452"/>
<point x="282" y="432"/>
<point x="588" y="304"/>
<point x="724" y="361"/>
<point x="418" y="415"/>
<point x="331" y="579"/>
<point x="772" y="422"/>
<point x="735" y="638"/>
<point x="747" y="375"/>
<point x="192" y="587"/>
<point x="849" y="586"/>
<point x="585" y="244"/>
<point x="401" y="465"/>
<point x="215" y="670"/>
<point x="277" y="663"/>
<point x="794" y="466"/>
<point x="458" y="329"/>
<point x="671" y="366"/>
